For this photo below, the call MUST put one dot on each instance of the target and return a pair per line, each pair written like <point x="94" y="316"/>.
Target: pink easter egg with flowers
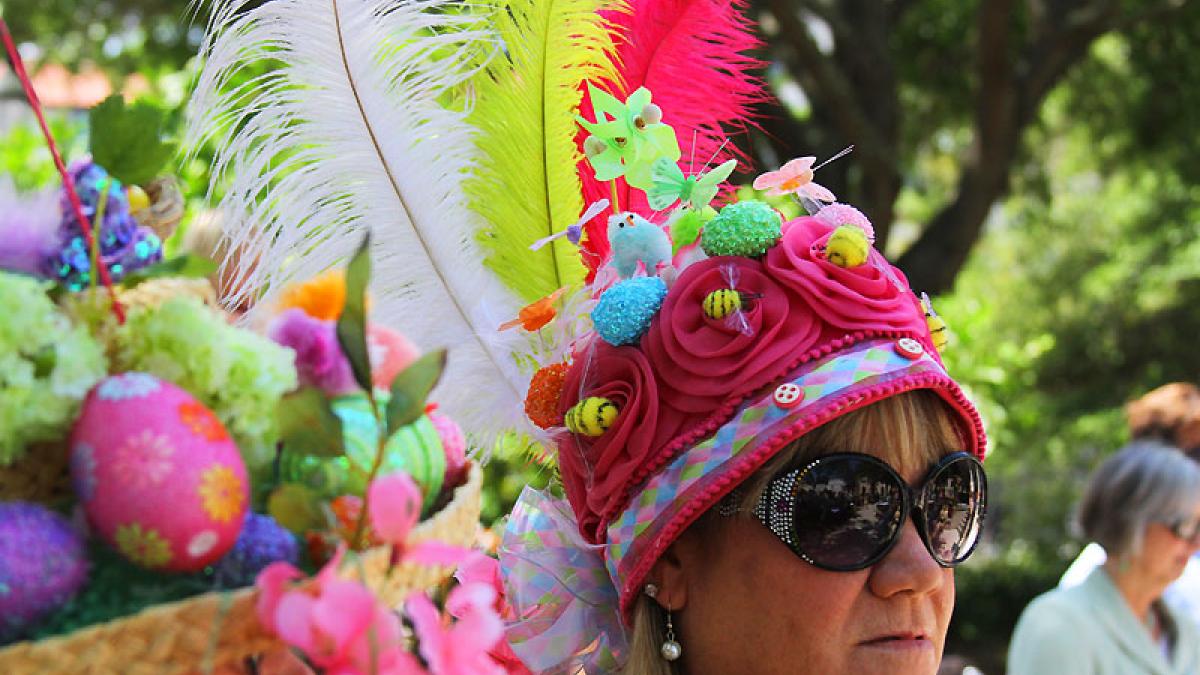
<point x="157" y="474"/>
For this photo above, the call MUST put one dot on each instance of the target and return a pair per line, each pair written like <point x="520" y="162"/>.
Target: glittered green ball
<point x="746" y="228"/>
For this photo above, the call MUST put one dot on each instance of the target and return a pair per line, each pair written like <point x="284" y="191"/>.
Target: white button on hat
<point x="788" y="395"/>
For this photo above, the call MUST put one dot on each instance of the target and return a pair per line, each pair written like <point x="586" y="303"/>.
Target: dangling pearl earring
<point x="670" y="650"/>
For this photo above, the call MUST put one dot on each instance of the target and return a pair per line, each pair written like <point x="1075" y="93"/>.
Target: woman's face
<point x="1164" y="554"/>
<point x="745" y="603"/>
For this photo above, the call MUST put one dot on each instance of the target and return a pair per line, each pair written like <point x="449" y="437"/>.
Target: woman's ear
<point x="680" y="566"/>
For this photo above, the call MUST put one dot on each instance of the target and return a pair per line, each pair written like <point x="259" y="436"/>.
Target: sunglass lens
<point x="953" y="510"/>
<point x="846" y="512"/>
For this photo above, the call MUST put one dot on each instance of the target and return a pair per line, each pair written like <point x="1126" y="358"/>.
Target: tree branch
<point x="830" y="86"/>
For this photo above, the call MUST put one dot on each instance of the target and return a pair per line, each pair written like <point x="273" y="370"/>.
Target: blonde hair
<point x="912" y="430"/>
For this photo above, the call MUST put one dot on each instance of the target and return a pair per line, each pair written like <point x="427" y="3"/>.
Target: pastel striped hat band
<point x="703" y="403"/>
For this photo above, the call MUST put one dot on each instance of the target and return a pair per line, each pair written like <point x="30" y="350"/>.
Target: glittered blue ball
<point x="262" y="542"/>
<point x="43" y="564"/>
<point x="625" y="310"/>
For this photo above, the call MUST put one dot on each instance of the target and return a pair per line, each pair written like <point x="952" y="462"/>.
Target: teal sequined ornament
<point x="626" y="310"/>
<point x="748" y="229"/>
<point x="415" y="449"/>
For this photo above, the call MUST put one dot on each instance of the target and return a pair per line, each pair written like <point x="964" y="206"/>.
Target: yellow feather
<point x="526" y="184"/>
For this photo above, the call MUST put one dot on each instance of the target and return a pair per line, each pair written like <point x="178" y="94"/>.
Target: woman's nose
<point x="907" y="568"/>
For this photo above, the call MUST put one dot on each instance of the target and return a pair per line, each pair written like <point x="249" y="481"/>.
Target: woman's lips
<point x="902" y="641"/>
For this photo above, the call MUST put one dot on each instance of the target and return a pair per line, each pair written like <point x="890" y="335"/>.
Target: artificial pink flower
<point x="393" y="509"/>
<point x="482" y="569"/>
<point x="462" y="648"/>
<point x="795" y="177"/>
<point x="391" y="353"/>
<point x="393" y="506"/>
<point x="339" y="625"/>
<point x="272" y="582"/>
<point x="319" y="359"/>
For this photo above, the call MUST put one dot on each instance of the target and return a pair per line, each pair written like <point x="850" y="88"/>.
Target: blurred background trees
<point x="1030" y="164"/>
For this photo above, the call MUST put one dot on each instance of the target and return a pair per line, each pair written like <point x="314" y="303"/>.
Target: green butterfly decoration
<point x="627" y="138"/>
<point x="696" y="191"/>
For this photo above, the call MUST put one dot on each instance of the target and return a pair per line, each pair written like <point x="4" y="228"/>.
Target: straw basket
<point x="222" y="628"/>
<point x="42" y="475"/>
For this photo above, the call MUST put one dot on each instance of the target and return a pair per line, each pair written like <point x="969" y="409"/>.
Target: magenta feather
<point x="694" y="56"/>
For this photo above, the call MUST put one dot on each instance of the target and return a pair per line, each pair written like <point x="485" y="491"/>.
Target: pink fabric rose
<point x="595" y="470"/>
<point x="319" y="359"/>
<point x="873" y="296"/>
<point x="703" y="361"/>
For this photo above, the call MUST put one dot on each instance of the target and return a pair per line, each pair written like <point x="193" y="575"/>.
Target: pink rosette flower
<point x="595" y="471"/>
<point x="703" y="361"/>
<point x="870" y="297"/>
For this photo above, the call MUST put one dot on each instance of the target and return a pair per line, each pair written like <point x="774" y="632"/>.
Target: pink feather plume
<point x="694" y="57"/>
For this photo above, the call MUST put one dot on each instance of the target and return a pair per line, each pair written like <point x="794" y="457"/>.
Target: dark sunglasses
<point x="844" y="512"/>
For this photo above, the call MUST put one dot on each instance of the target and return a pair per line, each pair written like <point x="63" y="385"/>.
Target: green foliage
<point x="411" y="387"/>
<point x="127" y="140"/>
<point x="1078" y="299"/>
<point x="352" y="323"/>
<point x="26" y="161"/>
<point x="308" y="425"/>
<point x="992" y="592"/>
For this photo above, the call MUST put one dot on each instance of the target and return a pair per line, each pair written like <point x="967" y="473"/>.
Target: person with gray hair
<point x="1142" y="505"/>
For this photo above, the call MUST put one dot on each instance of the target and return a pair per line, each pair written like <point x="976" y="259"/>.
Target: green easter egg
<point x="746" y="228"/>
<point x="415" y="449"/>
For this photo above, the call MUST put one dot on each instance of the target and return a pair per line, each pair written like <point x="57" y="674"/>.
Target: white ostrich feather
<point x="350" y="133"/>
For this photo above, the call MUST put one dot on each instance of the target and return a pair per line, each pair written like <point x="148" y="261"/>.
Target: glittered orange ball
<point x="541" y="403"/>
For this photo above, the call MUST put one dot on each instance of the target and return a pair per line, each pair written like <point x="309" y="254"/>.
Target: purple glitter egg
<point x="43" y="563"/>
<point x="261" y="542"/>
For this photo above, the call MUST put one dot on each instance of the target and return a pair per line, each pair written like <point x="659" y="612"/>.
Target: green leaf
<point x="186" y="265"/>
<point x="308" y="425"/>
<point x="411" y="387"/>
<point x="352" y="324"/>
<point x="296" y="507"/>
<point x="127" y="140"/>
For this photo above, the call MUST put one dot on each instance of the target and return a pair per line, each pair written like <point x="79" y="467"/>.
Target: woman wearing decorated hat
<point x="785" y="492"/>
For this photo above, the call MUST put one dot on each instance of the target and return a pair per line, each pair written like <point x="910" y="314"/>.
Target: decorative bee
<point x="848" y="246"/>
<point x="592" y="416"/>
<point x="728" y="304"/>
<point x="721" y="303"/>
<point x="938" y="331"/>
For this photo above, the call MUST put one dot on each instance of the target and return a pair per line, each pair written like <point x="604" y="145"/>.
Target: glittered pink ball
<point x="158" y="475"/>
<point x="454" y="444"/>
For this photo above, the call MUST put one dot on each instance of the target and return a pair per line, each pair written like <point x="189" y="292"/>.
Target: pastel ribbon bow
<point x="564" y="603"/>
